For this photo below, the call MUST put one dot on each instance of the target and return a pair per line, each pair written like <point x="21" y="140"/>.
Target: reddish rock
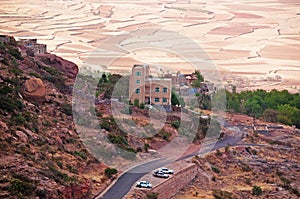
<point x="66" y="67"/>
<point x="34" y="88"/>
<point x="22" y="136"/>
<point x="77" y="191"/>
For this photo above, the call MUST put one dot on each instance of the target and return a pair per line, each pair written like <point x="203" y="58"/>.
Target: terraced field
<point x="256" y="40"/>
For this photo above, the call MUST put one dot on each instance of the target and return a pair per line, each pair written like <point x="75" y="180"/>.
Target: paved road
<point x="126" y="181"/>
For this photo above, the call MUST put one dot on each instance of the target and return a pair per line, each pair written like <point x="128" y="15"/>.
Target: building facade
<point x="148" y="90"/>
<point x="34" y="46"/>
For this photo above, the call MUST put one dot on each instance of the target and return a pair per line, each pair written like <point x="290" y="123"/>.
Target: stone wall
<point x="170" y="187"/>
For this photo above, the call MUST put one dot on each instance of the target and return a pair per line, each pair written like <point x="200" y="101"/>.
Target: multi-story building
<point x="149" y="90"/>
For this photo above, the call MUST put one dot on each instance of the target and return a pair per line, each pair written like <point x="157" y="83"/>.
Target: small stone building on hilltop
<point x="34" y="46"/>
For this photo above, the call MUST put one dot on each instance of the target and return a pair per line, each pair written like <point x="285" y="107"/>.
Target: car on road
<point x="160" y="174"/>
<point x="166" y="170"/>
<point x="143" y="184"/>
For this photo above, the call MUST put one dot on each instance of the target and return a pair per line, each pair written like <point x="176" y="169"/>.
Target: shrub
<point x="72" y="169"/>
<point x="176" y="124"/>
<point x="9" y="104"/>
<point x="4" y="90"/>
<point x="152" y="195"/>
<point x="127" y="110"/>
<point x="80" y="154"/>
<point x="219" y="194"/>
<point x="58" y="82"/>
<point x="58" y="176"/>
<point x="19" y="119"/>
<point x="227" y="148"/>
<point x="214" y="179"/>
<point x="256" y="190"/>
<point x="146" y="147"/>
<point x="14" y="52"/>
<point x="245" y="167"/>
<point x="105" y="125"/>
<point x="215" y="169"/>
<point x="142" y="106"/>
<point x="16" y="71"/>
<point x="34" y="74"/>
<point x="117" y="139"/>
<point x="66" y="108"/>
<point x="218" y="152"/>
<point x="164" y="134"/>
<point x="52" y="71"/>
<point x="21" y="187"/>
<point x="136" y="102"/>
<point x="109" y="172"/>
<point x="59" y="164"/>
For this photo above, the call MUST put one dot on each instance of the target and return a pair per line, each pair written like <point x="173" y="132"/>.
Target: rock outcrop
<point x="41" y="153"/>
<point x="66" y="67"/>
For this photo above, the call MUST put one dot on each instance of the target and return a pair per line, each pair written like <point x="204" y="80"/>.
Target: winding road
<point x="124" y="183"/>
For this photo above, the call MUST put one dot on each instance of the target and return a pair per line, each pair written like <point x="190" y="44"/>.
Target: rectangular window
<point x="137" y="90"/>
<point x="164" y="99"/>
<point x="138" y="81"/>
<point x="138" y="73"/>
<point x="156" y="99"/>
<point x="165" y="90"/>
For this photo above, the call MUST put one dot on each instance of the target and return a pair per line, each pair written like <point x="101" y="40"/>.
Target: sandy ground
<point x="258" y="41"/>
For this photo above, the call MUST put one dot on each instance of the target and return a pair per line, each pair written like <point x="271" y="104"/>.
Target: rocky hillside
<point x="264" y="165"/>
<point x="41" y="154"/>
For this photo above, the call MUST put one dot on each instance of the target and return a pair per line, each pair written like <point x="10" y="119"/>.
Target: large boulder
<point x="34" y="88"/>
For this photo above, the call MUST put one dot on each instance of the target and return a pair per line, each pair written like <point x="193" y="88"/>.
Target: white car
<point x="143" y="184"/>
<point x="166" y="170"/>
<point x="160" y="174"/>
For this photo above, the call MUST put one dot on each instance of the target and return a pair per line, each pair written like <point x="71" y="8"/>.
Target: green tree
<point x="197" y="83"/>
<point x="253" y="106"/>
<point x="176" y="100"/>
<point x="288" y="114"/>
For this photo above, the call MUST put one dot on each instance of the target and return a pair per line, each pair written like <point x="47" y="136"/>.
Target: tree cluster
<point x="273" y="106"/>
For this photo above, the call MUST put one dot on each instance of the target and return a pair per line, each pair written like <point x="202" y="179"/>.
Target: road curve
<point x="126" y="180"/>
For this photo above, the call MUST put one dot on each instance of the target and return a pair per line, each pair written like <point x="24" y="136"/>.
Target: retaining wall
<point x="171" y="186"/>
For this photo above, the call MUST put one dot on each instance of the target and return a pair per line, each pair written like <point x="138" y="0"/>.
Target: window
<point x="156" y="99"/>
<point x="165" y="90"/>
<point x="138" y="81"/>
<point x="137" y="90"/>
<point x="164" y="99"/>
<point x="138" y="73"/>
<point x="157" y="89"/>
